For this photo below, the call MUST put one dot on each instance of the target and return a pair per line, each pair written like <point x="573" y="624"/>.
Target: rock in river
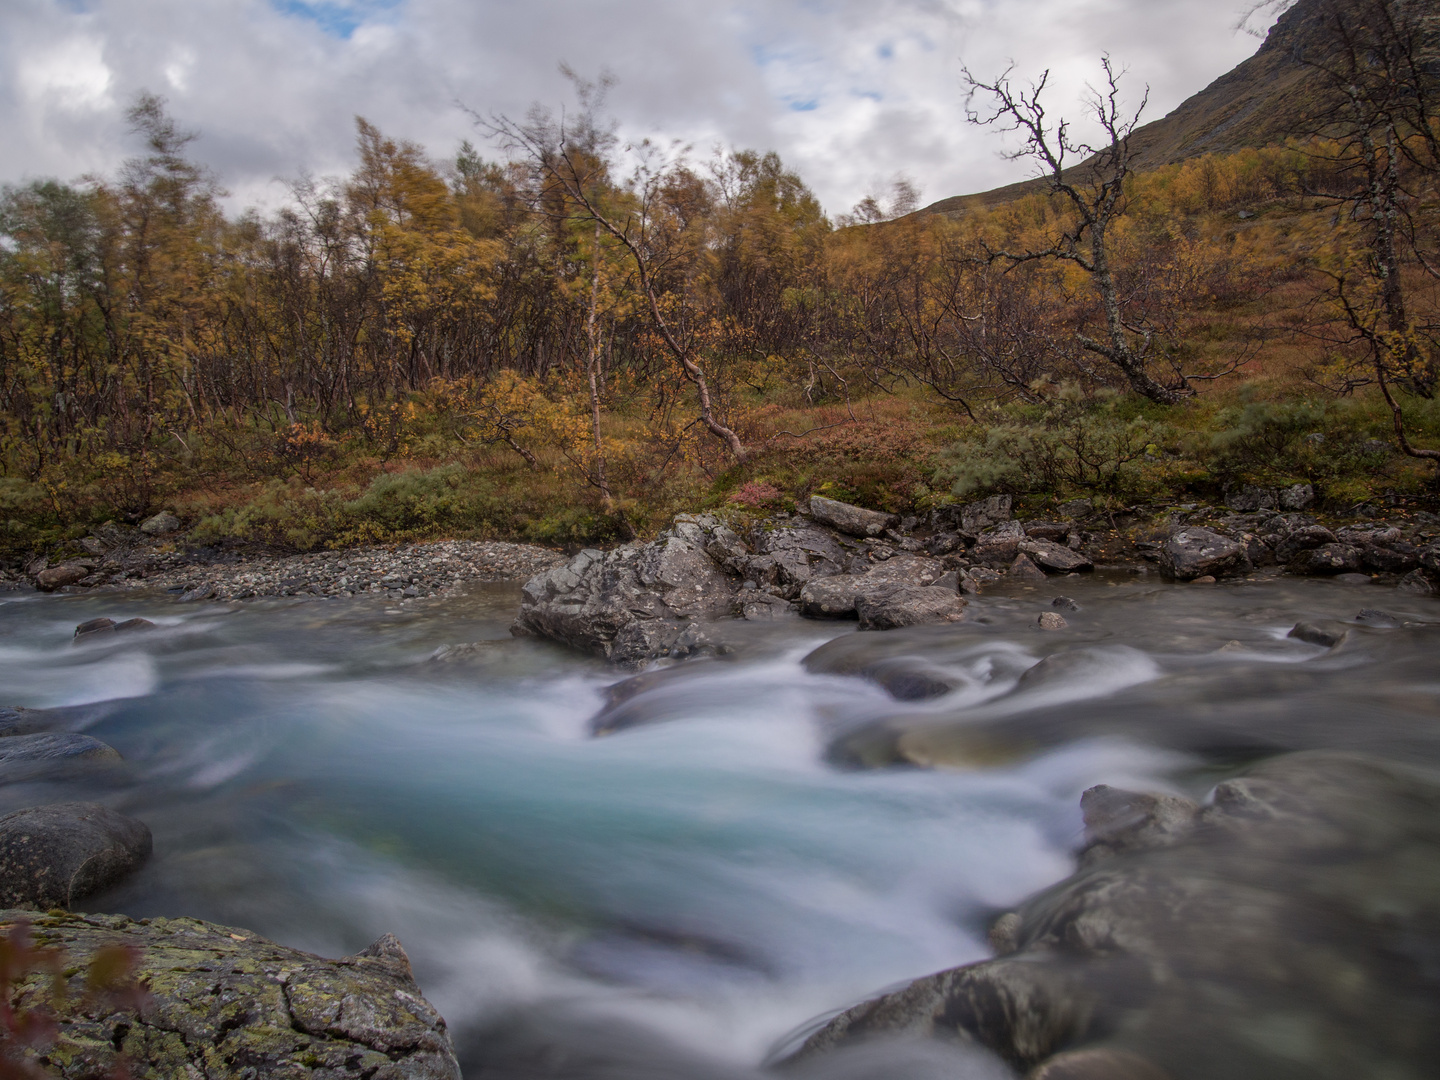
<point x="225" y="1002"/>
<point x="1191" y="553"/>
<point x="1057" y="558"/>
<point x="49" y="752"/>
<point x="51" y="856"/>
<point x="1285" y="932"/>
<point x="908" y="605"/>
<point x="628" y="605"/>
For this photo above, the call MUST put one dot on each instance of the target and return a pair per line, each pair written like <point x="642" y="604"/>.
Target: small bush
<point x="1068" y="444"/>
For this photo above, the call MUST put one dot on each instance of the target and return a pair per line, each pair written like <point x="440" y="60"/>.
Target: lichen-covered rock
<point x="854" y="520"/>
<point x="628" y="605"/>
<point x="160" y="525"/>
<point x="51" y="856"/>
<point x="892" y="606"/>
<point x="998" y="545"/>
<point x="1281" y="933"/>
<point x="227" y="1003"/>
<point x="835" y="597"/>
<point x="1191" y="553"/>
<point x="789" y="556"/>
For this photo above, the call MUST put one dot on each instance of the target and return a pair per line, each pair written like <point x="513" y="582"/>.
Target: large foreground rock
<point x="1191" y="553"/>
<point x="226" y="1003"/>
<point x="51" y="856"/>
<point x="1287" y="931"/>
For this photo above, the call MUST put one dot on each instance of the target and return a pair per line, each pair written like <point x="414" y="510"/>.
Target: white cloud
<point x="845" y="90"/>
<point x="71" y="75"/>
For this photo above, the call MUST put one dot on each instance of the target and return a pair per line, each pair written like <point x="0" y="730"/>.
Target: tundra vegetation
<point x="571" y="339"/>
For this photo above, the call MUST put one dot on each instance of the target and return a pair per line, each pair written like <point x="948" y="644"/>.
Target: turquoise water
<point x="704" y="882"/>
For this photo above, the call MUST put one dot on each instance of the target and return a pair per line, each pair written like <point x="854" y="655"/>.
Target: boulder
<point x="1054" y="531"/>
<point x="1054" y="557"/>
<point x="1194" y="552"/>
<point x="976" y="517"/>
<point x="788" y="556"/>
<point x="1390" y="557"/>
<point x="1023" y="570"/>
<point x="160" y="525"/>
<point x="853" y="520"/>
<point x="51" y="856"/>
<point x="1301" y="900"/>
<point x="893" y="606"/>
<point x="1294" y="541"/>
<point x="1315" y="634"/>
<point x="57" y="577"/>
<point x="835" y="597"/>
<point x="1297" y="497"/>
<point x="1065" y="603"/>
<point x="1051" y="620"/>
<point x="225" y="1002"/>
<point x="998" y="545"/>
<point x="1418" y="583"/>
<point x="831" y="597"/>
<point x="1430" y="558"/>
<point x="1325" y="560"/>
<point x="629" y="605"/>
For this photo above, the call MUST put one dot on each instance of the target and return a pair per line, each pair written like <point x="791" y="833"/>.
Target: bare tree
<point x="1093" y="190"/>
<point x="1377" y="65"/>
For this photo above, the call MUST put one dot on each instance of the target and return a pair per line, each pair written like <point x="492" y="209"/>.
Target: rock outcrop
<point x="224" y="1002"/>
<point x="1302" y="900"/>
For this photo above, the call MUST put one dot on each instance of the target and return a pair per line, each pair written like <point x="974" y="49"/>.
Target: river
<point x="671" y="899"/>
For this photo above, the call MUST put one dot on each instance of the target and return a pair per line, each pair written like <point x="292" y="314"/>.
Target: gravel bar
<point x="405" y="572"/>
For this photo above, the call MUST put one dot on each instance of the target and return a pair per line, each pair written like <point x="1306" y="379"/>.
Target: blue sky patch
<point x="802" y="104"/>
<point x="337" y="19"/>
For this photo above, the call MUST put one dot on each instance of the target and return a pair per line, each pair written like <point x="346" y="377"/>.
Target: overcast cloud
<point x="850" y="92"/>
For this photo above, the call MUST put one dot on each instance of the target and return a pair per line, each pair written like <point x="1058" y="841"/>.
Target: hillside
<point x="1258" y="103"/>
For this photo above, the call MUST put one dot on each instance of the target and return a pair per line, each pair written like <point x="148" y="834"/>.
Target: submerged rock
<point x="224" y="1002"/>
<point x="92" y="629"/>
<point x="48" y="752"/>
<point x="51" y="856"/>
<point x="1284" y="932"/>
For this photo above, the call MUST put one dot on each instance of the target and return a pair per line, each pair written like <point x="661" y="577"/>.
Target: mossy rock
<point x="225" y="1002"/>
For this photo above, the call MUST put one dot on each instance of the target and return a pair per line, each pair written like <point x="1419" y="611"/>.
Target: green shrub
<point x="1070" y="444"/>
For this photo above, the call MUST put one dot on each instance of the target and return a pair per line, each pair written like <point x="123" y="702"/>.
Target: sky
<point x="850" y="93"/>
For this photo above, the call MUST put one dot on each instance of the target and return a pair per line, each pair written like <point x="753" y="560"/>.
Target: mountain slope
<point x="1257" y="103"/>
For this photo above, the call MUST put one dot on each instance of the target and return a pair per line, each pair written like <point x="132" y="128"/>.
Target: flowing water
<point x="672" y="899"/>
